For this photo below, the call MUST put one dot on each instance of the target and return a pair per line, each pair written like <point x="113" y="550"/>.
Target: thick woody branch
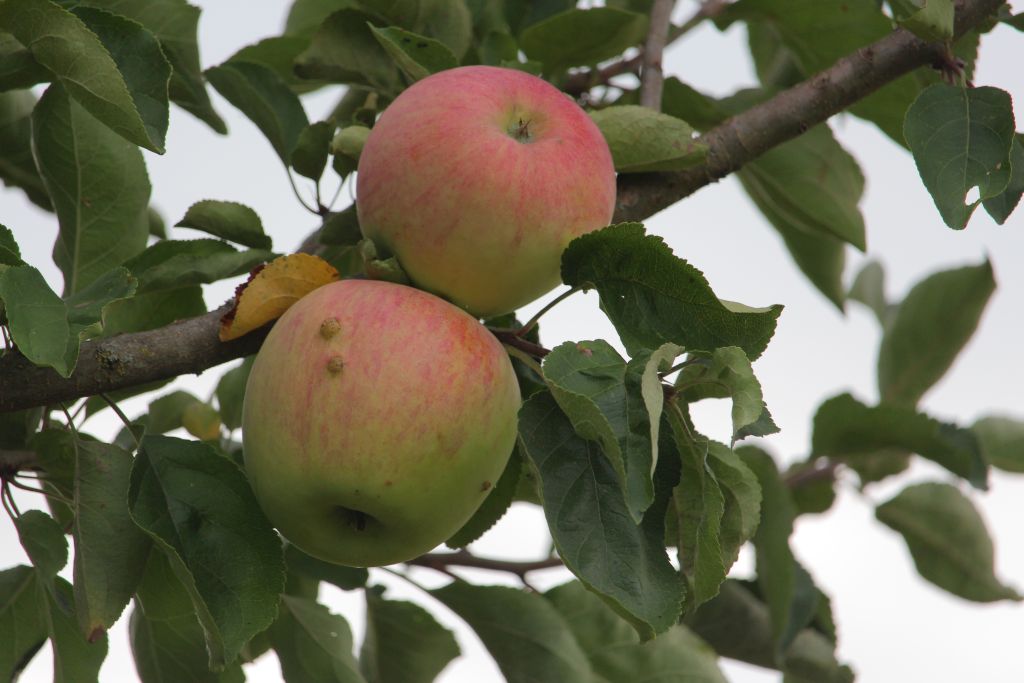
<point x="127" y="360"/>
<point x="191" y="346"/>
<point x="790" y="113"/>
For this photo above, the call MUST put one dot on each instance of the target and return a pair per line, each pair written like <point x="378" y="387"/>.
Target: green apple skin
<point x="377" y="417"/>
<point x="477" y="178"/>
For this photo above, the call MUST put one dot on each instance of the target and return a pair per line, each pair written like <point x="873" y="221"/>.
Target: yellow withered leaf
<point x="272" y="289"/>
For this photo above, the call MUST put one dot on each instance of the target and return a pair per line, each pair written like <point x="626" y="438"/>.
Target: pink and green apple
<point x="377" y="418"/>
<point x="477" y="178"/>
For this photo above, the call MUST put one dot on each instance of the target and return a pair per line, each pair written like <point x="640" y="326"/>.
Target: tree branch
<point x="790" y="113"/>
<point x="127" y="360"/>
<point x="463" y="558"/>
<point x="191" y="346"/>
<point x="651" y="77"/>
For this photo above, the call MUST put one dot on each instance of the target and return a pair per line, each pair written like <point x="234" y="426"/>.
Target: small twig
<point x="124" y="418"/>
<point x="511" y="338"/>
<point x="581" y="81"/>
<point x="7" y="498"/>
<point x="532" y="322"/>
<point x="463" y="558"/>
<point x="49" y="494"/>
<point x="526" y="358"/>
<point x="295" y="190"/>
<point x="679" y="366"/>
<point x="651" y="76"/>
<point x="826" y="471"/>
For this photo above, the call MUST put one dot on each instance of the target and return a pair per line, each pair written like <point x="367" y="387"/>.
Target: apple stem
<point x="532" y="322"/>
<point x="525" y="358"/>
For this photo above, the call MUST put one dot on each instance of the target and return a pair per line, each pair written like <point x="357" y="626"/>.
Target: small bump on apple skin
<point x="335" y="365"/>
<point x="485" y="486"/>
<point x="329" y="328"/>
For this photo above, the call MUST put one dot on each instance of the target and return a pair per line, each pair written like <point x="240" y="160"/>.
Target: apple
<point x="377" y="418"/>
<point x="477" y="178"/>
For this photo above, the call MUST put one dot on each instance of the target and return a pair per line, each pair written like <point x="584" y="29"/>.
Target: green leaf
<point x="143" y="66"/>
<point x="18" y="68"/>
<point x="404" y="643"/>
<point x="75" y="660"/>
<point x="699" y="508"/>
<point x="150" y="311"/>
<point x="37" y="319"/>
<point x="844" y="427"/>
<point x="615" y="651"/>
<point x="1002" y="442"/>
<point x="86" y="307"/>
<point x="230" y="392"/>
<point x="741" y="493"/>
<point x="173" y="264"/>
<point x="111" y="66"/>
<point x="931" y="20"/>
<point x="726" y="374"/>
<point x="448" y="21"/>
<point x="309" y="158"/>
<point x="199" y="508"/>
<point x="99" y="187"/>
<point x="43" y="541"/>
<point x="344" y="50"/>
<point x="625" y="564"/>
<point x="417" y="56"/>
<point x="494" y="507"/>
<point x="175" y="24"/>
<point x="110" y="550"/>
<point x="928" y="330"/>
<point x="22" y="624"/>
<point x="523" y="632"/>
<point x="607" y="404"/>
<point x="738" y="625"/>
<point x="778" y="574"/>
<point x="869" y="289"/>
<point x="341" y="228"/>
<point x="166" y="639"/>
<point x="265" y="99"/>
<point x="305" y="16"/>
<point x="46" y="329"/>
<point x="17" y="167"/>
<point x="9" y="253"/>
<point x="313" y="644"/>
<point x="960" y="139"/>
<point x="812" y="184"/>
<point x="643" y="140"/>
<point x="1002" y="205"/>
<point x="278" y="53"/>
<point x="581" y="37"/>
<point x="228" y="220"/>
<point x="653" y="297"/>
<point x="947" y="539"/>
<point x="345" y="578"/>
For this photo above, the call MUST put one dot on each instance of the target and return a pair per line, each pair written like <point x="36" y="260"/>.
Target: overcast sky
<point x="893" y="626"/>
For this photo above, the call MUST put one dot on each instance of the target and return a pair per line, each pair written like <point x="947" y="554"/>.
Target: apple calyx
<point x="520" y="131"/>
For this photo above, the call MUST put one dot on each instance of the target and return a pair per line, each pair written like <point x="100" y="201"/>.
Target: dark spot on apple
<point x="354" y="518"/>
<point x="387" y="483"/>
<point x="329" y="328"/>
<point x="335" y="365"/>
<point x="485" y="486"/>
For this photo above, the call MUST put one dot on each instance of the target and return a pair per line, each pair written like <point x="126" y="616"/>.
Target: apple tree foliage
<point x="646" y="512"/>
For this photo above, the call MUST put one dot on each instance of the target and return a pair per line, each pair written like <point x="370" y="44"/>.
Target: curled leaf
<point x="271" y="290"/>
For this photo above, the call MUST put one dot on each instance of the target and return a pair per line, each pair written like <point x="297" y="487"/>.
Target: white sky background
<point x="893" y="626"/>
